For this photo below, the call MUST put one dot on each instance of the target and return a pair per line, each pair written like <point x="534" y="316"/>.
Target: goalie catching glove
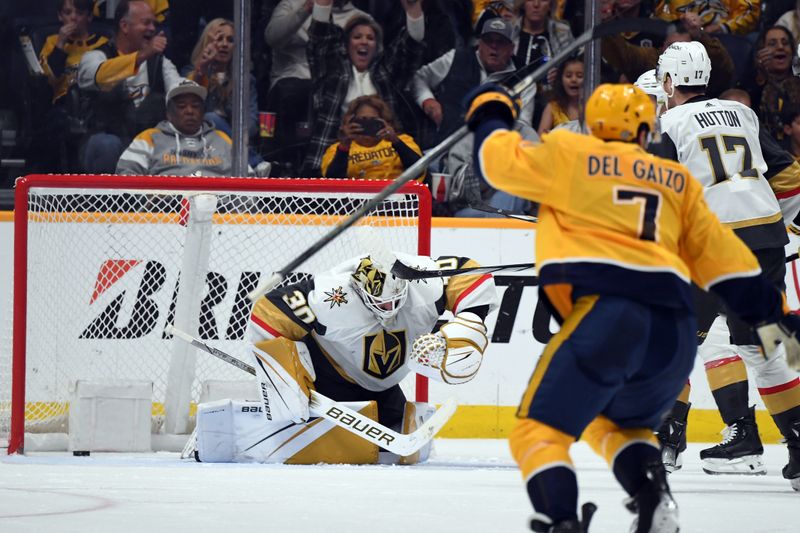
<point x="784" y="331"/>
<point x="453" y="354"/>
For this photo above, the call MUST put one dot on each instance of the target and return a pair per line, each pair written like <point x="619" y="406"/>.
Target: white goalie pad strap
<point x="284" y="373"/>
<point x="453" y="354"/>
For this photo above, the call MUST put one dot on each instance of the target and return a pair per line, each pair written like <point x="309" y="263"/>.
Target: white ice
<point x="470" y="486"/>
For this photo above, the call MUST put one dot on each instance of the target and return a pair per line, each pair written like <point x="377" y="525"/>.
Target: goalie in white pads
<point x="352" y="333"/>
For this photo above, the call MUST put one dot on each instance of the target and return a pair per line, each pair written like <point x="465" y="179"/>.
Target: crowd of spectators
<point x="341" y="88"/>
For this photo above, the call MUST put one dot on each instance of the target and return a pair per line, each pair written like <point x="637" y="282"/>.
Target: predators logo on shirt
<point x="384" y="353"/>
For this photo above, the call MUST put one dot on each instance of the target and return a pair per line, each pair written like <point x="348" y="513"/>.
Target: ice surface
<point x="470" y="486"/>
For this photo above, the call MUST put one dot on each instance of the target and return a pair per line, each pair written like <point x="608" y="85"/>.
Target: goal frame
<point x="235" y="184"/>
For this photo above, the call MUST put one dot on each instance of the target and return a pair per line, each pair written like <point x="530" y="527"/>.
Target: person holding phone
<point x="369" y="145"/>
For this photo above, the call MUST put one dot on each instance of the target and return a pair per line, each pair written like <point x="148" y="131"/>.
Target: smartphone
<point x="371" y="126"/>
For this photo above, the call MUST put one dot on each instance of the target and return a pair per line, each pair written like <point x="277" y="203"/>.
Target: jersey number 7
<point x="649" y="202"/>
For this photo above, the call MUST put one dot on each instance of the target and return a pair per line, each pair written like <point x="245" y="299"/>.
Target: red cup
<point x="266" y="124"/>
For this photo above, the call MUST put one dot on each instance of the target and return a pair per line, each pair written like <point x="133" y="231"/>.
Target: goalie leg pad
<point x="232" y="431"/>
<point x="416" y="413"/>
<point x="285" y="376"/>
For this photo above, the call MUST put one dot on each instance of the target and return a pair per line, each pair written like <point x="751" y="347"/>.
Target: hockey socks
<point x="630" y="464"/>
<point x="554" y="493"/>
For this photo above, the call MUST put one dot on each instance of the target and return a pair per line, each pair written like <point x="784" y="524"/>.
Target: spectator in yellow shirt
<point x="105" y="9"/>
<point x="715" y="16"/>
<point x="369" y="145"/>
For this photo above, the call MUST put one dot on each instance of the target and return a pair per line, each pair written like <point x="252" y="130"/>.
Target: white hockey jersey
<point x="327" y="311"/>
<point x="717" y="140"/>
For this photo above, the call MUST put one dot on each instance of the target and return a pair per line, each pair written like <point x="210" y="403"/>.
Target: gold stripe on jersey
<point x="147" y="135"/>
<point x="582" y="308"/>
<point x="457" y="285"/>
<point x="114" y="70"/>
<point x="755" y="221"/>
<point x="786" y="180"/>
<point x="270" y="317"/>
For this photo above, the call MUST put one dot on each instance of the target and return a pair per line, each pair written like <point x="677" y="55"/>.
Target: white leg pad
<point x="232" y="431"/>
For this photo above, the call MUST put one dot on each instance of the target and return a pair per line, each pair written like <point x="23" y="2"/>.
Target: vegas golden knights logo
<point x="384" y="353"/>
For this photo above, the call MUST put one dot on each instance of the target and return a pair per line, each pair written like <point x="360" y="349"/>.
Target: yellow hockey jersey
<point x="614" y="219"/>
<point x="379" y="162"/>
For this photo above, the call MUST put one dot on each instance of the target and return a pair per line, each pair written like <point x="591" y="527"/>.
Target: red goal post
<point x="103" y="263"/>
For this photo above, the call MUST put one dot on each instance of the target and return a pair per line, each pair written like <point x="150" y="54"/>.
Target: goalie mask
<point x="382" y="292"/>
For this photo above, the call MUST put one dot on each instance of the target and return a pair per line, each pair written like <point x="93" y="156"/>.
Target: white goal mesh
<point x="111" y="260"/>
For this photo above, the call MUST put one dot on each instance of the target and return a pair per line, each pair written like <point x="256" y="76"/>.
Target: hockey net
<point x="103" y="263"/>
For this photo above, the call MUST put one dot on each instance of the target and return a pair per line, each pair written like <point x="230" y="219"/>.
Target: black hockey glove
<point x="489" y="101"/>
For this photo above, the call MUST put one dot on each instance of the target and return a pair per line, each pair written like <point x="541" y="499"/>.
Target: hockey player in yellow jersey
<point x="621" y="235"/>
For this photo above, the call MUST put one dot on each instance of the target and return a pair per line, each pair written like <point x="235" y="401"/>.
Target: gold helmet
<point x="615" y="112"/>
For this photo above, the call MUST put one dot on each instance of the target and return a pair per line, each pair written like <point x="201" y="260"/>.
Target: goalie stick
<point x="404" y="271"/>
<point x="486" y="208"/>
<point x="611" y="27"/>
<point x="343" y="416"/>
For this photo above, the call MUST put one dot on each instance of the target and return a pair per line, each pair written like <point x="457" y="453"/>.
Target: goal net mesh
<point x="104" y="262"/>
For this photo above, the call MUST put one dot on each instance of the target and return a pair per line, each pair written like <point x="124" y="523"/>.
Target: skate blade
<point x="672" y="461"/>
<point x="748" y="465"/>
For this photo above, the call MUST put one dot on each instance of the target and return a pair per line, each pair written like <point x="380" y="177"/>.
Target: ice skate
<point x="654" y="506"/>
<point x="792" y="469"/>
<point x="672" y="437"/>
<point x="740" y="451"/>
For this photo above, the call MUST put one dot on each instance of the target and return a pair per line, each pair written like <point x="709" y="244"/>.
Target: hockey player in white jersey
<point x="753" y="186"/>
<point x="352" y="334"/>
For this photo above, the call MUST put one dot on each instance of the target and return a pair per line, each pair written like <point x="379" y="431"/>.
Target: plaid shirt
<point x="331" y="74"/>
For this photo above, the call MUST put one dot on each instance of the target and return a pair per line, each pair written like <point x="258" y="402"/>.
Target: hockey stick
<point x="404" y="271"/>
<point x="486" y="208"/>
<point x="343" y="416"/>
<point x="611" y="27"/>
